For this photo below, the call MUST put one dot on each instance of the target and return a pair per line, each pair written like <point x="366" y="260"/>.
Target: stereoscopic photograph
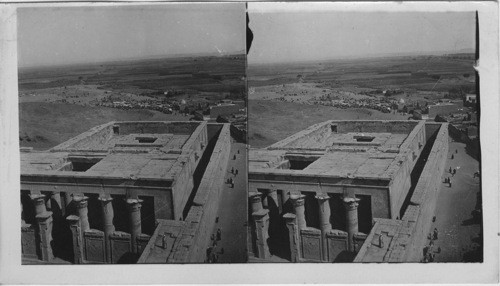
<point x="363" y="135"/>
<point x="255" y="143"/>
<point x="132" y="129"/>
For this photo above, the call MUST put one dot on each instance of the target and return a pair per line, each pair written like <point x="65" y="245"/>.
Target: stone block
<point x="336" y="244"/>
<point x="28" y="242"/>
<point x="311" y="245"/>
<point x="120" y="245"/>
<point x="95" y="249"/>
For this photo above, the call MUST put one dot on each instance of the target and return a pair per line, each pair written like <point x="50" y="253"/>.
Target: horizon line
<point x="152" y="57"/>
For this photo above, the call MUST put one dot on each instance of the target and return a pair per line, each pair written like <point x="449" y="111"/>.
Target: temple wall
<point x="411" y="150"/>
<point x="426" y="193"/>
<point x="195" y="238"/>
<point x="182" y="188"/>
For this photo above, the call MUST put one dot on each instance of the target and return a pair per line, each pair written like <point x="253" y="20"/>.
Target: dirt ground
<point x="44" y="125"/>
<point x="271" y="121"/>
<point x="232" y="210"/>
<point x="458" y="231"/>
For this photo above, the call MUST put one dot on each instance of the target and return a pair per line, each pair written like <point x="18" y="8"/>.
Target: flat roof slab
<point x="364" y="149"/>
<point x="128" y="154"/>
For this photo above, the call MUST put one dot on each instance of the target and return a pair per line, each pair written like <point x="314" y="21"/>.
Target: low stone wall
<point x="28" y="242"/>
<point x="176" y="127"/>
<point x="314" y="246"/>
<point x="195" y="236"/>
<point x="392" y="126"/>
<point x="95" y="136"/>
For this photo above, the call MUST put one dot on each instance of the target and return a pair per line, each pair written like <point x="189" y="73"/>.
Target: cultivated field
<point x="57" y="103"/>
<point x="286" y="98"/>
<point x="271" y="121"/>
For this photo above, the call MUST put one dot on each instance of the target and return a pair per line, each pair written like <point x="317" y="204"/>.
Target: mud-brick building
<point x="314" y="196"/>
<point x="100" y="196"/>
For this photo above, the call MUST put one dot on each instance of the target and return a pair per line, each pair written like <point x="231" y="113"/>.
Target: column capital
<point x="81" y="201"/>
<point x="298" y="200"/>
<point x="73" y="219"/>
<point x="44" y="216"/>
<point x="37" y="197"/>
<point x="289" y="217"/>
<point x="134" y="201"/>
<point x="134" y="204"/>
<point x="272" y="190"/>
<point x="105" y="199"/>
<point x="39" y="201"/>
<point x="322" y="196"/>
<point x="258" y="215"/>
<point x="351" y="203"/>
<point x="255" y="197"/>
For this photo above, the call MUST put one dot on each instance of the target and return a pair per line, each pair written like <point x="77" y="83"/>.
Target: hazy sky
<point x="297" y="36"/>
<point x="64" y="35"/>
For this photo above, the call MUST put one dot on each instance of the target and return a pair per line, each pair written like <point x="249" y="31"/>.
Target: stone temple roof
<point x="350" y="149"/>
<point x="131" y="150"/>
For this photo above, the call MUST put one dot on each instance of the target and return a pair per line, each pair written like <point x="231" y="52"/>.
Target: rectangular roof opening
<point x="81" y="164"/>
<point x="299" y="162"/>
<point x="146" y="139"/>
<point x="363" y="138"/>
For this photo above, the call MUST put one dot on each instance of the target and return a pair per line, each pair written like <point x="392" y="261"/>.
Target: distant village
<point x="456" y="107"/>
<point x="199" y="109"/>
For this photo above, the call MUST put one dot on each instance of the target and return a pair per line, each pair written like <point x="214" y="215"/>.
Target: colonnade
<point x="79" y="222"/>
<point x="296" y="221"/>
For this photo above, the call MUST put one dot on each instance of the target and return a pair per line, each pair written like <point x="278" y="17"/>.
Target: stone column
<point x="45" y="234"/>
<point x="351" y="205"/>
<point x="298" y="203"/>
<point x="44" y="224"/>
<point x="293" y="236"/>
<point x="81" y="205"/>
<point x="261" y="219"/>
<point x="324" y="211"/>
<point x="107" y="221"/>
<point x="255" y="199"/>
<point x="107" y="214"/>
<point x="324" y="221"/>
<point x="76" y="231"/>
<point x="39" y="202"/>
<point x="134" y="207"/>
